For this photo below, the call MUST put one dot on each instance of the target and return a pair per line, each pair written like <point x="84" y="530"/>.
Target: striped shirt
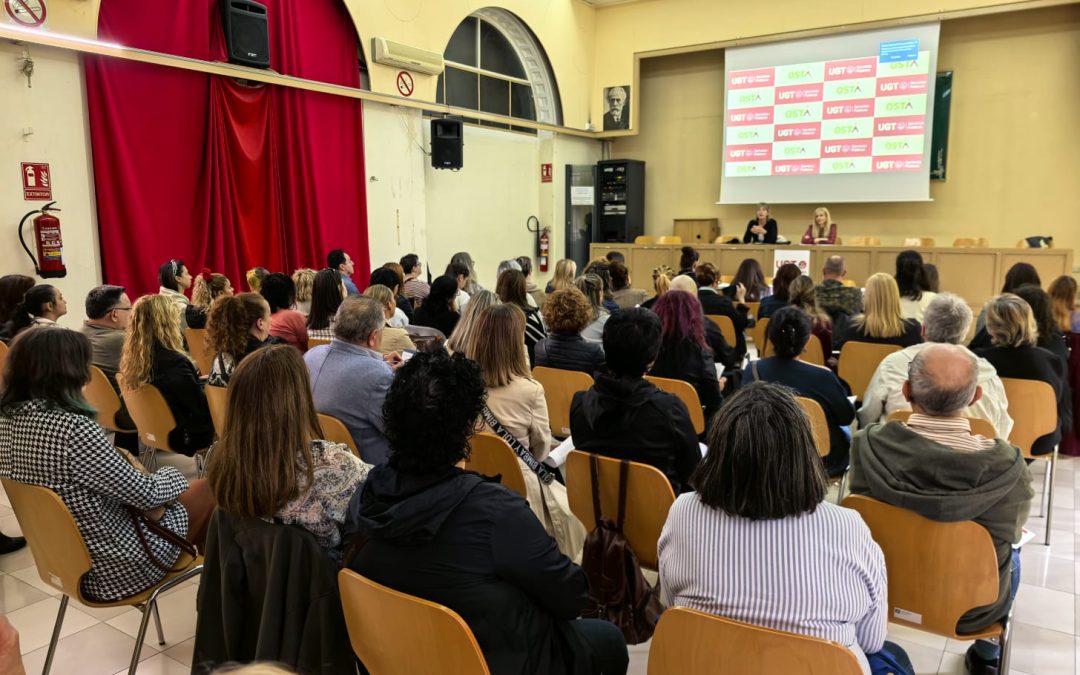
<point x="817" y="574"/>
<point x="952" y="432"/>
<point x="416" y="291"/>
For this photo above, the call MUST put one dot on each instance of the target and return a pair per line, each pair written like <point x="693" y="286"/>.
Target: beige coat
<point x="521" y="407"/>
<point x="395" y="340"/>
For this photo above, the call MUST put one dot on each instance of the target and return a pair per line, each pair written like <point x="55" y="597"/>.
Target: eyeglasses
<point x="120" y="309"/>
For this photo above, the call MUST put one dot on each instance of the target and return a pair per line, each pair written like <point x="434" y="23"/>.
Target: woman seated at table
<point x="822" y="230"/>
<point x="761" y="229"/>
<point x="757" y="542"/>
<point x="881" y="321"/>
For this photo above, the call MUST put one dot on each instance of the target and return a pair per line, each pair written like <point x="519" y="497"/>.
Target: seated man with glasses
<point x="108" y="309"/>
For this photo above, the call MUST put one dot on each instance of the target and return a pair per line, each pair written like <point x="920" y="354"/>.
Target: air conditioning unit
<point x="398" y="55"/>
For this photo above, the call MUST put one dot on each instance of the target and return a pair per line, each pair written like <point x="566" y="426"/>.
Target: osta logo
<point x="750" y="98"/>
<point x="795" y="114"/>
<point x="894" y="106"/>
<point x="841" y="166"/>
<point x="748" y="135"/>
<point x="846" y="89"/>
<point x="798" y="74"/>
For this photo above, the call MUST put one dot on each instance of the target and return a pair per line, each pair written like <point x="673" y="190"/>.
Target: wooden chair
<point x="3" y="360"/>
<point x="559" y="389"/>
<point x="768" y="281"/>
<point x="758" y="333"/>
<point x="937" y="570"/>
<point x="687" y="394"/>
<point x="425" y="338"/>
<point x="920" y="242"/>
<point x="861" y="362"/>
<point x="818" y="423"/>
<point x="813" y="352"/>
<point x="644" y="239"/>
<point x="217" y="398"/>
<point x="63" y="559"/>
<point x="971" y="242"/>
<point x="335" y="431"/>
<point x="727" y="327"/>
<point x="196" y="342"/>
<point x="102" y="397"/>
<point x="649" y="498"/>
<point x="754" y="307"/>
<point x="315" y="342"/>
<point x="154" y="420"/>
<point x="384" y="626"/>
<point x="669" y="239"/>
<point x="1033" y="408"/>
<point x="689" y="641"/>
<point x="727" y="278"/>
<point x="978" y="425"/>
<point x="864" y="241"/>
<point x="492" y="456"/>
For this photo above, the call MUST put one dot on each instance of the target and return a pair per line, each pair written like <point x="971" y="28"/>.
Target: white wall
<point x="55" y="108"/>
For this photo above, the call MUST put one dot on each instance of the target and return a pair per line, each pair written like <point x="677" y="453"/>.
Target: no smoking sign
<point x="405" y="84"/>
<point x="28" y="13"/>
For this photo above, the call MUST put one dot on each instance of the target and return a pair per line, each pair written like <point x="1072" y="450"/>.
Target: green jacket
<point x="992" y="487"/>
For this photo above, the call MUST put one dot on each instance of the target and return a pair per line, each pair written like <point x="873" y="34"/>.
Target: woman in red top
<point x="285" y="322"/>
<point x="822" y="230"/>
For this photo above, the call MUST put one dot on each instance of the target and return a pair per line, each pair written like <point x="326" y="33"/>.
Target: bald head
<point x="943" y="380"/>
<point x="685" y="284"/>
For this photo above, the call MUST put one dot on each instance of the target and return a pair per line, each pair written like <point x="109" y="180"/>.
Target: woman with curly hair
<point x="304" y="280"/>
<point x="154" y="354"/>
<point x="208" y="287"/>
<point x="566" y="314"/>
<point x="237" y="326"/>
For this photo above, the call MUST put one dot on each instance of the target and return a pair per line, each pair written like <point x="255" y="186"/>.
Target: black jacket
<point x="629" y="418"/>
<point x="268" y="593"/>
<point x="912" y="335"/>
<point x="694" y="364"/>
<point x="442" y="319"/>
<point x="175" y="376"/>
<point x="718" y="303"/>
<point x="569" y="351"/>
<point x="771" y="230"/>
<point x="470" y="544"/>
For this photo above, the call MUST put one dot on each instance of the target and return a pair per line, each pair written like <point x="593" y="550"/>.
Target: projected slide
<point x="847" y="116"/>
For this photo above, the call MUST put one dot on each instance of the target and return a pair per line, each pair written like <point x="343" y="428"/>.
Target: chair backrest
<point x="687" y="394"/>
<point x="937" y="570"/>
<point x="669" y="239"/>
<point x="864" y="241"/>
<point x="818" y="423"/>
<point x="335" y="431"/>
<point x="970" y="242"/>
<point x="315" y="342"/>
<point x="920" y="242"/>
<point x="754" y="307"/>
<point x="425" y="338"/>
<point x="727" y="278"/>
<point x="813" y="352"/>
<point x="102" y="397"/>
<point x="644" y="239"/>
<point x="768" y="281"/>
<point x="689" y="641"/>
<point x="59" y="551"/>
<point x="218" y="400"/>
<point x="490" y="455"/>
<point x="978" y="425"/>
<point x="727" y="327"/>
<point x="384" y="625"/>
<point x="858" y="361"/>
<point x="1033" y="408"/>
<point x="151" y="415"/>
<point x="648" y="499"/>
<point x="559" y="389"/>
<point x="196" y="342"/>
<point x="758" y="334"/>
<point x="3" y="360"/>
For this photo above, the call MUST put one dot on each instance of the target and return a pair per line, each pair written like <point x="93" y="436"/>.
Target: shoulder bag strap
<point x="624" y="474"/>
<point x="594" y="470"/>
<point x="140" y="521"/>
<point x="537" y="467"/>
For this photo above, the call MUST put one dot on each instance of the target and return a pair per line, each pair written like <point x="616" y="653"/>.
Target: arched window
<point x="495" y="64"/>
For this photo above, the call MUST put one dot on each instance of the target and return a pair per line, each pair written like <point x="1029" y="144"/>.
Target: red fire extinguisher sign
<point x="36" y="181"/>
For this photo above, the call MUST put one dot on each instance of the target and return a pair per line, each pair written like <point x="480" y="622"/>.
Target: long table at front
<point x="975" y="274"/>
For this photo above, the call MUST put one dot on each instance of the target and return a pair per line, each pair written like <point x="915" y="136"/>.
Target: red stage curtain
<point x="223" y="175"/>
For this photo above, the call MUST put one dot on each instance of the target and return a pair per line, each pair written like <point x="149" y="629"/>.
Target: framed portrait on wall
<point x="617" y="107"/>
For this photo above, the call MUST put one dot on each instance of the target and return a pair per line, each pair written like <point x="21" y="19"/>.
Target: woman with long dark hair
<point x="12" y="289"/>
<point x="440" y="306"/>
<point x="175" y="279"/>
<point x="684" y="354"/>
<point x="913" y="284"/>
<point x="752" y="278"/>
<point x="327" y="292"/>
<point x="41" y="305"/>
<point x="285" y="322"/>
<point x="779" y="298"/>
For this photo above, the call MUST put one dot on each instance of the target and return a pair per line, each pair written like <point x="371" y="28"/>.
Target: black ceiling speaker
<point x="446" y="143"/>
<point x="246" y="32"/>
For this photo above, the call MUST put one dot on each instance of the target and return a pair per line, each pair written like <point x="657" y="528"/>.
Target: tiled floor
<point x="99" y="642"/>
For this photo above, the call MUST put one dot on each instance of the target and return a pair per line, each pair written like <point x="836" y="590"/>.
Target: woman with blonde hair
<point x="565" y="271"/>
<point x="304" y="279"/>
<point x="661" y="279"/>
<point x="459" y="339"/>
<point x="802" y="294"/>
<point x="822" y="230"/>
<point x="207" y="287"/>
<point x="271" y="461"/>
<point x="254" y="278"/>
<point x="154" y="354"/>
<point x="393" y="339"/>
<point x="1063" y="304"/>
<point x="592" y="286"/>
<point x="237" y="326"/>
<point x="882" y="321"/>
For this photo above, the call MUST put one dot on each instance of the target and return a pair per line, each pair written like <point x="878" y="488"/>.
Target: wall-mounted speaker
<point x="446" y="143"/>
<point x="245" y="24"/>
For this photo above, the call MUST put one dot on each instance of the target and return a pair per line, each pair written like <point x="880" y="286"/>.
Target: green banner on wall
<point x="939" y="139"/>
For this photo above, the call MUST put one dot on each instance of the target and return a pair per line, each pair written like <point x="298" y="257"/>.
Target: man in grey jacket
<point x="935" y="467"/>
<point x="350" y="378"/>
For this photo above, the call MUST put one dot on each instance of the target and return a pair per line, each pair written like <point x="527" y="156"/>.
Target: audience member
<point x="154" y="354"/>
<point x="936" y="467"/>
<point x="472" y="287"/>
<point x="752" y="278"/>
<point x="237" y="326"/>
<point x="615" y="256"/>
<point x="624" y="415"/>
<point x="424" y="526"/>
<point x="566" y="314"/>
<point x="175" y="279"/>
<point x="833" y="296"/>
<point x="881" y="321"/>
<point x="509" y="264"/>
<point x="207" y="288"/>
<point x="536" y="294"/>
<point x="802" y="294"/>
<point x="282" y="471"/>
<point x="48" y="437"/>
<point x="389" y="276"/>
<point x="12" y="289"/>
<point x="41" y="305"/>
<point x="738" y="545"/>
<point x="327" y="292"/>
<point x="622" y="293"/>
<point x="440" y="307"/>
<point x="592" y="287"/>
<point x="254" y="278"/>
<point x="789" y="331"/>
<point x="511" y="290"/>
<point x="459" y="273"/>
<point x="108" y="310"/>
<point x="1019" y="274"/>
<point x="1015" y="354"/>
<point x="602" y="268"/>
<point x="933" y="278"/>
<point x="914" y="287"/>
<point x="822" y="231"/>
<point x="393" y="339"/>
<point x="1063" y="304"/>
<point x="780" y="297"/>
<point x="341" y="261"/>
<point x="713" y="303"/>
<point x="684" y="354"/>
<point x="762" y="228"/>
<point x="459" y="339"/>
<point x="661" y="278"/>
<point x="414" y="288"/>
<point x="723" y="353"/>
<point x="565" y="272"/>
<point x="946" y="321"/>
<point x="285" y="322"/>
<point x="688" y="261"/>
<point x="350" y="365"/>
<point x="304" y="280"/>
<point x="1049" y="336"/>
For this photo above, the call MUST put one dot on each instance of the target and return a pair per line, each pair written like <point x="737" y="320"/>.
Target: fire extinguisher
<point x="545" y="249"/>
<point x="49" y="263"/>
